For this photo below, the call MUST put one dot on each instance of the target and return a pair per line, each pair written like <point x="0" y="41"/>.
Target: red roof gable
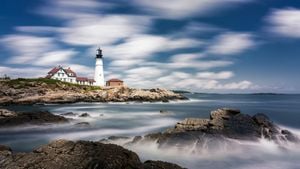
<point x="70" y="71"/>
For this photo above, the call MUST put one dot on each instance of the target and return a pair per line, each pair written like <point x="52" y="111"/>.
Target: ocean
<point x="132" y="119"/>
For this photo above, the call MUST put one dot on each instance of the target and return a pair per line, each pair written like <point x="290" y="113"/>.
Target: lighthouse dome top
<point x="99" y="53"/>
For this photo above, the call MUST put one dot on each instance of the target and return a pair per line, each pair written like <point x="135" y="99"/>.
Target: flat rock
<point x="36" y="118"/>
<point x="62" y="154"/>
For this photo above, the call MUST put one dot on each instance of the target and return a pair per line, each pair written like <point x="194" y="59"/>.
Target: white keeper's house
<point x="68" y="75"/>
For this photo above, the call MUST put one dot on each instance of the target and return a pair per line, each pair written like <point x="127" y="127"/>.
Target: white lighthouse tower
<point x="99" y="75"/>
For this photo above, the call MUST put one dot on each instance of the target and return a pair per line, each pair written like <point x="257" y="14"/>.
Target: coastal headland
<point x="39" y="91"/>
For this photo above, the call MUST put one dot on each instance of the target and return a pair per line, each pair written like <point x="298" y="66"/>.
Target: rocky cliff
<point x="31" y="91"/>
<point x="62" y="154"/>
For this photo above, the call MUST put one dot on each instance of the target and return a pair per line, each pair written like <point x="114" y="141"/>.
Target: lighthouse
<point x="99" y="75"/>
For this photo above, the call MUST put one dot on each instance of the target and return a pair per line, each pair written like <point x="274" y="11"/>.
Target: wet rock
<point x="137" y="139"/>
<point x="160" y="165"/>
<point x="84" y="115"/>
<point x="36" y="118"/>
<point x="83" y="124"/>
<point x="4" y="113"/>
<point x="101" y="115"/>
<point x="223" y="123"/>
<point x="190" y="124"/>
<point x="5" y="148"/>
<point x="62" y="154"/>
<point x="224" y="113"/>
<point x="68" y="114"/>
<point x="165" y="112"/>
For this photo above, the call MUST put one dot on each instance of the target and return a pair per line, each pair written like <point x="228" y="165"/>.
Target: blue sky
<point x="201" y="45"/>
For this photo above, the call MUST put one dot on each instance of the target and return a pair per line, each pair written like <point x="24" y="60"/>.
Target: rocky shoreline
<point x="39" y="91"/>
<point x="223" y="125"/>
<point x="63" y="154"/>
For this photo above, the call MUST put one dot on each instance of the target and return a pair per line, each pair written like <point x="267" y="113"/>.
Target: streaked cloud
<point x="231" y="43"/>
<point x="176" y="9"/>
<point x="285" y="22"/>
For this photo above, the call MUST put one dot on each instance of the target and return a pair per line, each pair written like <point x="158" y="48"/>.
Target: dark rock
<point x="68" y="114"/>
<point x="83" y="124"/>
<point x="137" y="139"/>
<point x="5" y="148"/>
<point x="160" y="165"/>
<point x="62" y="154"/>
<point x="117" y="137"/>
<point x="84" y="115"/>
<point x="101" y="115"/>
<point x="223" y="123"/>
<point x="165" y="112"/>
<point x="36" y="118"/>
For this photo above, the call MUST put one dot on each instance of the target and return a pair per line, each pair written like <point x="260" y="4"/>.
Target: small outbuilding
<point x="114" y="83"/>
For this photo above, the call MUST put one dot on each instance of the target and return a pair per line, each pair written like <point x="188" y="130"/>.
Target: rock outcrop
<point x="62" y="154"/>
<point x="223" y="123"/>
<point x="11" y="118"/>
<point x="32" y="91"/>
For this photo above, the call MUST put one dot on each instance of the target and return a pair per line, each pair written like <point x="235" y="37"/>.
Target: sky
<point x="219" y="46"/>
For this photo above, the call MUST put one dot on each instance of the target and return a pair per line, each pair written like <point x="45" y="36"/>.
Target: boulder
<point x="63" y="154"/>
<point x="36" y="118"/>
<point x="223" y="123"/>
<point x="84" y="115"/>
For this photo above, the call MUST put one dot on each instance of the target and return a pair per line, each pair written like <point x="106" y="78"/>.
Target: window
<point x="71" y="80"/>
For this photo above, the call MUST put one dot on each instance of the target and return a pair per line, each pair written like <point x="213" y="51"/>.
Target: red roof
<point x="70" y="71"/>
<point x="114" y="80"/>
<point x="54" y="70"/>
<point x="81" y="79"/>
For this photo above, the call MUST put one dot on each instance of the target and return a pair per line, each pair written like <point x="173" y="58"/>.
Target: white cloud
<point x="231" y="43"/>
<point x="102" y="30"/>
<point x="213" y="75"/>
<point x="24" y="72"/>
<point x="35" y="50"/>
<point x="285" y="22"/>
<point x="236" y="85"/>
<point x="26" y="48"/>
<point x="54" y="58"/>
<point x="184" y="8"/>
<point x="144" y="45"/>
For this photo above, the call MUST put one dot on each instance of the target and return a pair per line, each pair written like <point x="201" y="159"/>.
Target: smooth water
<point x="131" y="119"/>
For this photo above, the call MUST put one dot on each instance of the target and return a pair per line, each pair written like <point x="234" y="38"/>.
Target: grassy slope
<point x="24" y="83"/>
